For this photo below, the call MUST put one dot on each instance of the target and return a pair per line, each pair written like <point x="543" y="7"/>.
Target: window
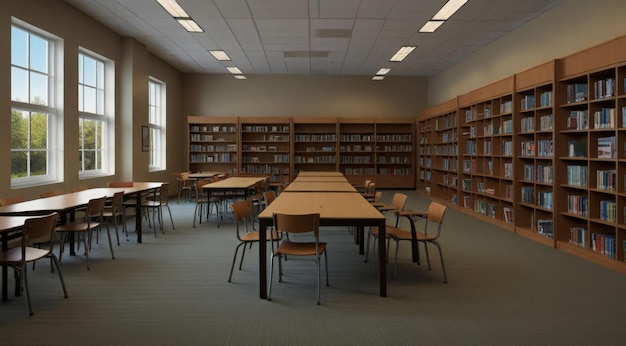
<point x="34" y="108"/>
<point x="95" y="123"/>
<point x="156" y="123"/>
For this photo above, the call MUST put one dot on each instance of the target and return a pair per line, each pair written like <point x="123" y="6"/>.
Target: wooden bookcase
<point x="314" y="144"/>
<point x="266" y="147"/>
<point x="546" y="148"/>
<point x="486" y="162"/>
<point x="213" y="144"/>
<point x="534" y="153"/>
<point x="438" y="151"/>
<point x="394" y="154"/>
<point x="357" y="149"/>
<point x="381" y="150"/>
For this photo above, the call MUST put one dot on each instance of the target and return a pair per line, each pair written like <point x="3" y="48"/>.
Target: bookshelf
<point x="314" y="144"/>
<point x="266" y="147"/>
<point x="438" y="149"/>
<point x="357" y="145"/>
<point x="486" y="157"/>
<point x="213" y="145"/>
<point x="559" y="173"/>
<point x="534" y="153"/>
<point x="394" y="153"/>
<point x="381" y="150"/>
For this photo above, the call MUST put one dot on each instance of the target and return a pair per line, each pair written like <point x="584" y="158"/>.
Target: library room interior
<point x="313" y="171"/>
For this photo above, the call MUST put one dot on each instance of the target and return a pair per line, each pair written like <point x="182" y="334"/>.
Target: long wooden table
<point x="236" y="185"/>
<point x="68" y="203"/>
<point x="9" y="225"/>
<point x="335" y="209"/>
<point x="319" y="186"/>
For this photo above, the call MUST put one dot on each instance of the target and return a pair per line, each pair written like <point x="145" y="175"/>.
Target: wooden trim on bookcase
<point x="535" y="76"/>
<point x="314" y="120"/>
<point x="440" y="109"/>
<point x="597" y="57"/>
<point x="489" y="91"/>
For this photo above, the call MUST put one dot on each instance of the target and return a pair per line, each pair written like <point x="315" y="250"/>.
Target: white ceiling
<point x="256" y="34"/>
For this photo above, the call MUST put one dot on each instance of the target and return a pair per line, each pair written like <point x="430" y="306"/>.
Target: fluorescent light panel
<point x="220" y="55"/>
<point x="449" y="9"/>
<point x="173" y="8"/>
<point x="431" y="25"/>
<point x="383" y="71"/>
<point x="234" y="70"/>
<point x="402" y="53"/>
<point x="240" y="76"/>
<point x="189" y="24"/>
<point x="378" y="77"/>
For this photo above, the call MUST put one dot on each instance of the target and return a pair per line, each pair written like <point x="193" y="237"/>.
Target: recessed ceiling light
<point x="220" y="55"/>
<point x="383" y="71"/>
<point x="173" y="8"/>
<point x="189" y="24"/>
<point x="402" y="53"/>
<point x="378" y="77"/>
<point x="234" y="70"/>
<point x="449" y="9"/>
<point x="240" y="76"/>
<point x="431" y="25"/>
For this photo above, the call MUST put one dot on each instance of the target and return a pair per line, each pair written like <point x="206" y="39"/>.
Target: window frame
<point x="106" y="117"/>
<point x="157" y="110"/>
<point x="53" y="108"/>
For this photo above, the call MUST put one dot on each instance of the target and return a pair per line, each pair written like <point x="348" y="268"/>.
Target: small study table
<point x="238" y="186"/>
<point x="335" y="209"/>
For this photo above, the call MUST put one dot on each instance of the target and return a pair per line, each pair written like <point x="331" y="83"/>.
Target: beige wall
<point x="295" y="96"/>
<point x="131" y="79"/>
<point x="568" y="28"/>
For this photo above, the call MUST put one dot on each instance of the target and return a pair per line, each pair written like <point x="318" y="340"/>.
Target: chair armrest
<point x="413" y="213"/>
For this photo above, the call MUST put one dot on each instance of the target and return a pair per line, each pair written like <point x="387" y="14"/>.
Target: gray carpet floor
<point x="171" y="290"/>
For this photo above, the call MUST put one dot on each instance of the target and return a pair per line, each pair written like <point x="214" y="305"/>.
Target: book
<point x="606" y="147"/>
<point x="508" y="215"/>
<point x="576" y="148"/>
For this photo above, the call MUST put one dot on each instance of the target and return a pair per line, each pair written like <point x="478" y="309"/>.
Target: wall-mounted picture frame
<point x="145" y="138"/>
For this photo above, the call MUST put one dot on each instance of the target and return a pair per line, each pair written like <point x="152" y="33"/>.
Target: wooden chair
<point x="84" y="228"/>
<point x="434" y="216"/>
<point x="399" y="199"/>
<point x="298" y="224"/>
<point x="34" y="228"/>
<point x="241" y="214"/>
<point x="115" y="212"/>
<point x="155" y="206"/>
<point x="203" y="200"/>
<point x="186" y="186"/>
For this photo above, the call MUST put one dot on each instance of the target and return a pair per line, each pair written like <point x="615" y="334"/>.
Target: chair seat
<point x="15" y="255"/>
<point x="254" y="236"/>
<point x="401" y="234"/>
<point x="78" y="226"/>
<point x="299" y="249"/>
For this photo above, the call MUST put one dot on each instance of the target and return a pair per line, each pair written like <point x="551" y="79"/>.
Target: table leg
<point x="263" y="223"/>
<point x="360" y="235"/>
<point x="5" y="268"/>
<point x="138" y="215"/>
<point x="382" y="258"/>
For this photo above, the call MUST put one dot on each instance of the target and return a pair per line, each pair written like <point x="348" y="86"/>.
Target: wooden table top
<point x="323" y="178"/>
<point x="200" y="175"/>
<point x="234" y="183"/>
<point x="8" y="223"/>
<point x="331" y="206"/>
<point x="320" y="174"/>
<point x="319" y="186"/>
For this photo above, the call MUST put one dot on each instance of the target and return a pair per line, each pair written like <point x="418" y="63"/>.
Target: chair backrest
<point x="399" y="199"/>
<point x="117" y="203"/>
<point x="95" y="208"/>
<point x="52" y="193"/>
<point x="199" y="184"/>
<point x="121" y="184"/>
<point x="39" y="228"/>
<point x="366" y="183"/>
<point x="164" y="196"/>
<point x="436" y="212"/>
<point x="371" y="188"/>
<point x="11" y="200"/>
<point x="377" y="196"/>
<point x="269" y="197"/>
<point x="298" y="223"/>
<point x="79" y="188"/>
<point x="241" y="212"/>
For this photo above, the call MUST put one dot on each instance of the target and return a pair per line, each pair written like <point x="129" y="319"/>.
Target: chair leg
<point x="395" y="261"/>
<point x="269" y="286"/>
<point x="170" y="212"/>
<point x="445" y="278"/>
<point x="110" y="242"/>
<point x="84" y="236"/>
<point x="318" y="260"/>
<point x="24" y="272"/>
<point x="243" y="254"/>
<point x="232" y="266"/>
<point x="56" y="263"/>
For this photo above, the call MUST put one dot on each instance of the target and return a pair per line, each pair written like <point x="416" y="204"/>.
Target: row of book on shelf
<point x="603" y="243"/>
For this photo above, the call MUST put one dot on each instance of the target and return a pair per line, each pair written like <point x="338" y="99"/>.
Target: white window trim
<point x="162" y="128"/>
